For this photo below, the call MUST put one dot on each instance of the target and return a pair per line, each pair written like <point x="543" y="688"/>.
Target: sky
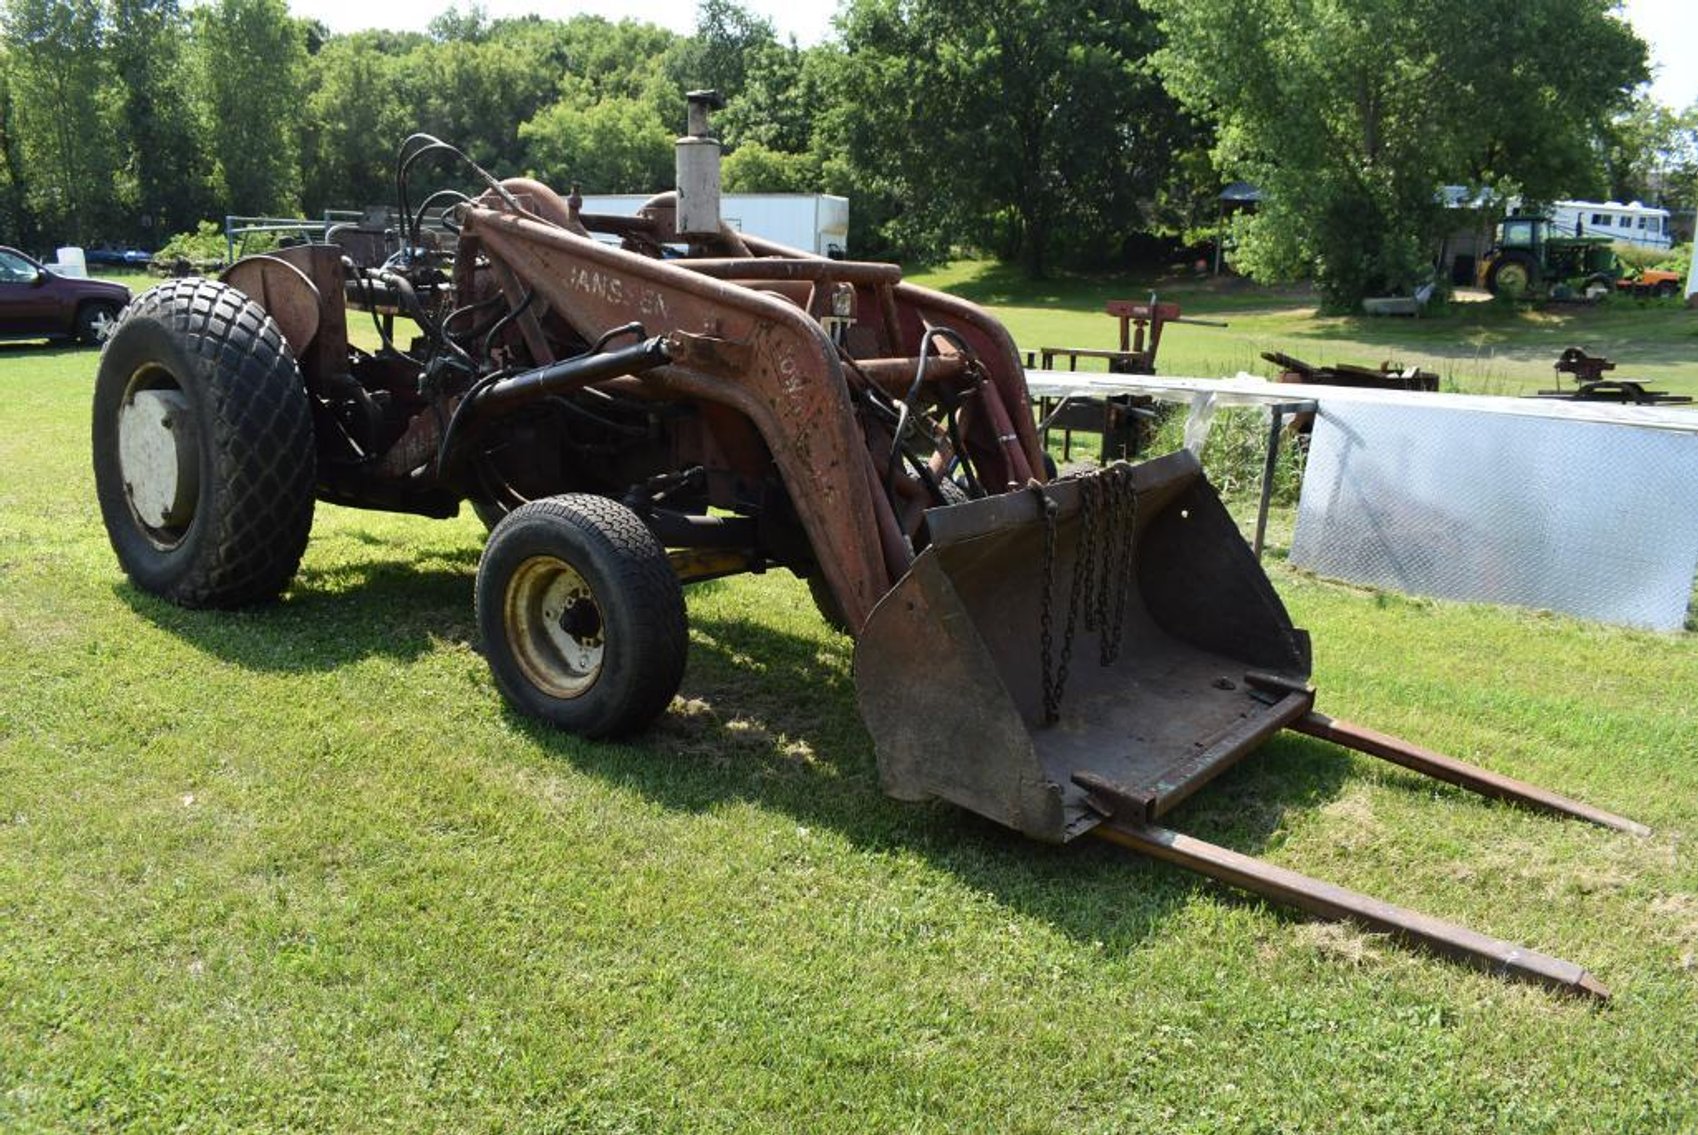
<point x="1668" y="26"/>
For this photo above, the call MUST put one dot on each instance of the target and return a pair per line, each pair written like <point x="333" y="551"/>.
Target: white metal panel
<point x="1585" y="507"/>
<point x="1594" y="518"/>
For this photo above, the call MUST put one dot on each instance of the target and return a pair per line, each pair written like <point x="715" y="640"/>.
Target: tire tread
<point x="654" y="607"/>
<point x="261" y="427"/>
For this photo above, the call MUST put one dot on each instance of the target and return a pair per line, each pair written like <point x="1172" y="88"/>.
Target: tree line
<point x="1079" y="132"/>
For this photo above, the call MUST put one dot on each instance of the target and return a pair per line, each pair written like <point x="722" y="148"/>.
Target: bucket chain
<point x="1121" y="524"/>
<point x="1052" y="682"/>
<point x="1102" y="575"/>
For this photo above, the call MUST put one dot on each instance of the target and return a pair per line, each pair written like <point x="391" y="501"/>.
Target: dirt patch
<point x="1339" y="942"/>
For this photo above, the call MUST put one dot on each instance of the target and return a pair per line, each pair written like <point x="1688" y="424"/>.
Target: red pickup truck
<point x="38" y="303"/>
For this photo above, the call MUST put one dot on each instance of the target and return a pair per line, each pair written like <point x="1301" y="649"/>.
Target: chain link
<point x="1047" y="509"/>
<point x="1103" y="574"/>
<point x="1123" y="518"/>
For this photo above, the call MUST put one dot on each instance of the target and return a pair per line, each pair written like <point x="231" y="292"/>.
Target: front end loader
<point x="637" y="403"/>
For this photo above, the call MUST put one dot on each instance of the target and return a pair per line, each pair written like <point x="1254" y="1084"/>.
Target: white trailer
<point x="813" y="222"/>
<point x="1633" y="223"/>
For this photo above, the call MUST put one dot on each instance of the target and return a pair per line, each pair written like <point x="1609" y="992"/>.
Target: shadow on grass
<point x="997" y="284"/>
<point x="769" y="718"/>
<point x="47" y="349"/>
<point x="330" y="617"/>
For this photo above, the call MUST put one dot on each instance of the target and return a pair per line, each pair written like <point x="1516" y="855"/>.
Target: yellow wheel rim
<point x="554" y="627"/>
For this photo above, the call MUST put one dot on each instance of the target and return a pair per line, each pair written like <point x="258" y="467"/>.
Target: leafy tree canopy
<point x="1350" y="114"/>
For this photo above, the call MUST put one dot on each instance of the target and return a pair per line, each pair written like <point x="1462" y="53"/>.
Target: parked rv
<point x="1632" y="223"/>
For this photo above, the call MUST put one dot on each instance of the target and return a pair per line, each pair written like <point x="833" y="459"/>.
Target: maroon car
<point x="38" y="303"/>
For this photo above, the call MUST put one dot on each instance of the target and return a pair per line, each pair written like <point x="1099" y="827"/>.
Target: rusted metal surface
<point x="1063" y="657"/>
<point x="1463" y="775"/>
<point x="558" y="378"/>
<point x="1387" y="376"/>
<point x="784" y="268"/>
<point x="793" y="389"/>
<point x="1339" y="903"/>
<point x="792" y="384"/>
<point x="961" y="707"/>
<point x="287" y="295"/>
<point x="1125" y="422"/>
<point x="951" y="685"/>
<point x="1136" y="354"/>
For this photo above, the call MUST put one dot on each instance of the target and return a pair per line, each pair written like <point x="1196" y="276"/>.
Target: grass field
<point x="1476" y="347"/>
<point x="299" y="869"/>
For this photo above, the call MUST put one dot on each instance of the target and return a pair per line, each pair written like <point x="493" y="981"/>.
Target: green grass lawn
<point x="1475" y="347"/>
<point x="298" y="868"/>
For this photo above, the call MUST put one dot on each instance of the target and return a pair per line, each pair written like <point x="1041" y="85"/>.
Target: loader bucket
<point x="950" y="668"/>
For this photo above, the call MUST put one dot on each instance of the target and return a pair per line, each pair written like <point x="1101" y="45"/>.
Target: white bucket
<point x="70" y="262"/>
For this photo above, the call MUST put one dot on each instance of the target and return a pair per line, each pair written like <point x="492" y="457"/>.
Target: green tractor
<point x="1533" y="257"/>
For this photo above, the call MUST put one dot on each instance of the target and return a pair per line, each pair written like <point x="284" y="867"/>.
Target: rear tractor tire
<point x="1511" y="276"/>
<point x="204" y="462"/>
<point x="581" y="616"/>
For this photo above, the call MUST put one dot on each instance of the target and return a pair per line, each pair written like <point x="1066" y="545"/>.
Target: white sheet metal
<point x="1585" y="507"/>
<point x="1565" y="506"/>
<point x="1249" y="390"/>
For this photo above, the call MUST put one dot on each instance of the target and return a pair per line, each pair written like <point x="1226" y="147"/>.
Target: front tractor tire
<point x="203" y="447"/>
<point x="582" y="617"/>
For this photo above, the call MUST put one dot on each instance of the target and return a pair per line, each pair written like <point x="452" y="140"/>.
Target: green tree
<point x="474" y="93"/>
<point x="754" y="168"/>
<point x="1651" y="154"/>
<point x="1350" y="114"/>
<point x="1035" y="126"/>
<point x="617" y="145"/>
<point x="357" y="113"/>
<point x="59" y="85"/>
<point x="252" y="57"/>
<point x="779" y="101"/>
<point x="16" y="217"/>
<point x="718" y="57"/>
<point x="615" y="113"/>
<point x="161" y="134"/>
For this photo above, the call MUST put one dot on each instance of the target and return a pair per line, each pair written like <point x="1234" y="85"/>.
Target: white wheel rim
<point x="102" y="324"/>
<point x="158" y="456"/>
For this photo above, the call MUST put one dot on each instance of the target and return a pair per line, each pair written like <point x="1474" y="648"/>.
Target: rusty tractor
<point x="637" y="403"/>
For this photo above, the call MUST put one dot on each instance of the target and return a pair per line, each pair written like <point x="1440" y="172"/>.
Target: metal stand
<point x="1276" y="423"/>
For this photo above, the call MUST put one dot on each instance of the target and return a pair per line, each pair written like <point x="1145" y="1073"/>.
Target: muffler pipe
<point x="697" y="156"/>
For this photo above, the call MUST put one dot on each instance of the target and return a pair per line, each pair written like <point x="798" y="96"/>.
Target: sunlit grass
<point x="298" y="868"/>
<point x="1474" y="347"/>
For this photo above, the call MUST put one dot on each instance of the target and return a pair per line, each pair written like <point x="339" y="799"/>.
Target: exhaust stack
<point x="698" y="168"/>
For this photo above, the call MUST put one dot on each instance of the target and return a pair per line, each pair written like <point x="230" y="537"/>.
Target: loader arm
<point x="791" y="386"/>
